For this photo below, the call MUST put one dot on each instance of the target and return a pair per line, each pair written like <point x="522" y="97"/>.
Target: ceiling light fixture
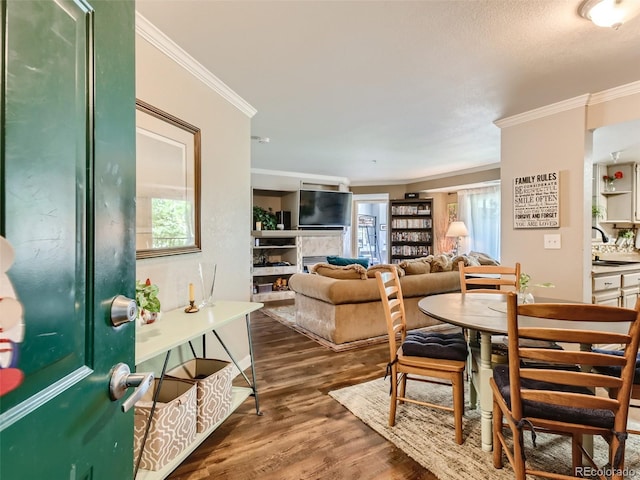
<point x="260" y="139"/>
<point x="609" y="13"/>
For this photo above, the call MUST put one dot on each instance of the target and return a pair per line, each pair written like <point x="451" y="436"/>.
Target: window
<point x="479" y="209"/>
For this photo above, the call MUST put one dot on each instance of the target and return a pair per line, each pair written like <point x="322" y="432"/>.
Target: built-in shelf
<point x="285" y="270"/>
<point x="616" y="192"/>
<point x="275" y="295"/>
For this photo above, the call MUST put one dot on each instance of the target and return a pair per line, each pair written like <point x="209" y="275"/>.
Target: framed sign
<point x="536" y="201"/>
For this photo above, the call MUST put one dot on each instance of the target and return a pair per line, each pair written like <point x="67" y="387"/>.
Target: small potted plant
<point x="597" y="212"/>
<point x="524" y="296"/>
<point x="148" y="301"/>
<point x="266" y="218"/>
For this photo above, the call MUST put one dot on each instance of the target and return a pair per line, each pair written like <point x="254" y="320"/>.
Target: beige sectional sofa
<point x="348" y="308"/>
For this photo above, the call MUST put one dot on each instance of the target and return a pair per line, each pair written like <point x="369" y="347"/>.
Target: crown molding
<point x="158" y="39"/>
<point x="542" y="112"/>
<point x="304" y="177"/>
<point x="613" y="93"/>
<point x="410" y="181"/>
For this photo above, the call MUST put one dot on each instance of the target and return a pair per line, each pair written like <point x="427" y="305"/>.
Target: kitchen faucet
<point x="605" y="239"/>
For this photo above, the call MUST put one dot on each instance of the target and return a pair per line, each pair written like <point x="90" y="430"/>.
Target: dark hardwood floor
<point x="303" y="433"/>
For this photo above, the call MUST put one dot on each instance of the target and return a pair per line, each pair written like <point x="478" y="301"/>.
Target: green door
<point x="67" y="190"/>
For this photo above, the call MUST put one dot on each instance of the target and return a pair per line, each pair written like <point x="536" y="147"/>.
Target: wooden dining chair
<point x="488" y="278"/>
<point x="420" y="356"/>
<point x="553" y="393"/>
<point x="616" y="372"/>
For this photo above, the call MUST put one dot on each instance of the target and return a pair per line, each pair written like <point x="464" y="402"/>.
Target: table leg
<point x="587" y="440"/>
<point x="485" y="372"/>
<point x="472" y="337"/>
<point x="252" y="382"/>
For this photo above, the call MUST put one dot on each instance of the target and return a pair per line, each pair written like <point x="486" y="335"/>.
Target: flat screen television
<point x="324" y="208"/>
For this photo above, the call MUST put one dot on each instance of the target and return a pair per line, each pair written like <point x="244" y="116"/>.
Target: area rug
<point x="427" y="435"/>
<point x="286" y="315"/>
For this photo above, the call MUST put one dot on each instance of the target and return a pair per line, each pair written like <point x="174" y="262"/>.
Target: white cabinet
<point x="630" y="289"/>
<point x="616" y="289"/>
<point x="606" y="290"/>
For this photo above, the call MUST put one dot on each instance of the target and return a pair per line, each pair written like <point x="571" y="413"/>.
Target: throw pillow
<point x="417" y="266"/>
<point x="484" y="259"/>
<point x="343" y="261"/>
<point x="347" y="272"/>
<point x="441" y="263"/>
<point x="383" y="267"/>
<point x="468" y="260"/>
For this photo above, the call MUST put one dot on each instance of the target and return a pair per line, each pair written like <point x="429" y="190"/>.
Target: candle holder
<point x="191" y="308"/>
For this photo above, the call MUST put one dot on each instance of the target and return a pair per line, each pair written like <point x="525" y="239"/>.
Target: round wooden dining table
<point x="485" y="313"/>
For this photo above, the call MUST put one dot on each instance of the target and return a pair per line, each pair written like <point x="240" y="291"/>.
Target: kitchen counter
<point x="604" y="269"/>
<point x="628" y="257"/>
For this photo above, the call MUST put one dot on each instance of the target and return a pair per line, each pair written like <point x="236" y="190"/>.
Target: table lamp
<point x="457" y="230"/>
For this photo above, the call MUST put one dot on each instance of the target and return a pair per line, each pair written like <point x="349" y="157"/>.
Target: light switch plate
<point x="552" y="241"/>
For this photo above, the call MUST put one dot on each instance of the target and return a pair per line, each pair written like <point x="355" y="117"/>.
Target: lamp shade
<point x="457" y="229"/>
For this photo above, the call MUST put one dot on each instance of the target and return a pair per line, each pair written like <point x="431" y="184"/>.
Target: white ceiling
<point x="393" y="91"/>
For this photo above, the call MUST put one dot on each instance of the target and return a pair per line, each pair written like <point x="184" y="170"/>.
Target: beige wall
<point x="395" y="192"/>
<point x="226" y="207"/>
<point x="552" y="143"/>
<point x="558" y="142"/>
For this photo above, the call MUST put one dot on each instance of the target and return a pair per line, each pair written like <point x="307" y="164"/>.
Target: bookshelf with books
<point x="411" y="228"/>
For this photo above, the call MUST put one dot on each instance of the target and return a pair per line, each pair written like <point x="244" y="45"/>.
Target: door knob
<point x="122" y="379"/>
<point x="123" y="310"/>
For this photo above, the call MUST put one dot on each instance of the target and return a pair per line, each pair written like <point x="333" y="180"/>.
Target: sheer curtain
<point x="479" y="209"/>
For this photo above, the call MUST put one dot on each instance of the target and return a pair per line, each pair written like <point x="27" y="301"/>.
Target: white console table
<point x="176" y="328"/>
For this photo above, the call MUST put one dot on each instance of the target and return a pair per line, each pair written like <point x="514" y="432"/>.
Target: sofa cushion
<point x="422" y="285"/>
<point x="353" y="271"/>
<point x="344" y="261"/>
<point x="384" y="267"/>
<point x="338" y="292"/>
<point x="417" y="266"/>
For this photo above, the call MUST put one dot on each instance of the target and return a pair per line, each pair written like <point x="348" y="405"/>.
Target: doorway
<point x="369" y="233"/>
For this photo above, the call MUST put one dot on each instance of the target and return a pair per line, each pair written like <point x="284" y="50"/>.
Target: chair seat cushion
<point x="449" y="346"/>
<point x="615" y="371"/>
<point x="590" y="416"/>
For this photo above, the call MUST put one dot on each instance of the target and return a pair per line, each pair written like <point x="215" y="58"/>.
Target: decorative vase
<point x="609" y="187"/>
<point x="525" y="297"/>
